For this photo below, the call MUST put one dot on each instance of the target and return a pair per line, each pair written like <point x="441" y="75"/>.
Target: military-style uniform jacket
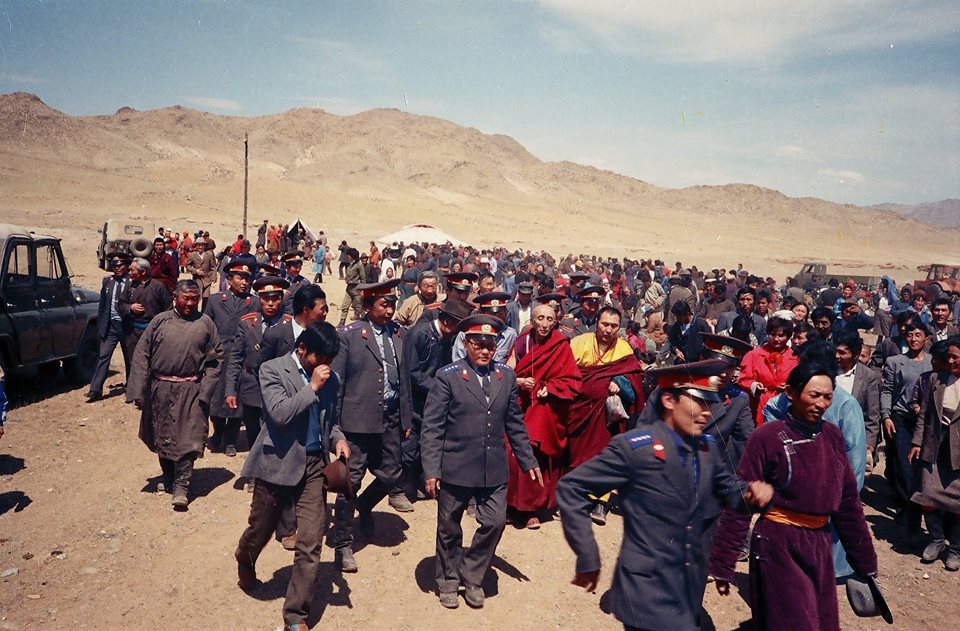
<point x="362" y="374"/>
<point x="295" y="284"/>
<point x="225" y="309"/>
<point x="659" y="579"/>
<point x="462" y="437"/>
<point x="243" y="362"/>
<point x="277" y="341"/>
<point x="425" y="351"/>
<point x="574" y="324"/>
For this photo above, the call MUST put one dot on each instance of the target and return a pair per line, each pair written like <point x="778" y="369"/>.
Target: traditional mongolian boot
<point x="935" y="527"/>
<point x="181" y="483"/>
<point x="953" y="552"/>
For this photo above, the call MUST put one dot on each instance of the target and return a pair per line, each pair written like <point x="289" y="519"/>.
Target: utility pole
<point x="246" y="160"/>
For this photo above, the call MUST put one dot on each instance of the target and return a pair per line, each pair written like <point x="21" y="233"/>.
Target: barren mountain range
<point x="368" y="174"/>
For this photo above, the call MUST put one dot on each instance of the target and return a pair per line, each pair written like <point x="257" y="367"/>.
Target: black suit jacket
<point x="106" y="294"/>
<point x="462" y="438"/>
<point x="277" y="341"/>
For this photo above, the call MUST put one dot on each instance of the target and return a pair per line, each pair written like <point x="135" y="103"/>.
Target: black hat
<point x="120" y="257"/>
<point x="866" y="599"/>
<point x="293" y="258"/>
<point x="591" y="292"/>
<point x="552" y="299"/>
<point x="384" y="289"/>
<point x="698" y="379"/>
<point x="463" y="281"/>
<point x="270" y="284"/>
<point x="525" y="288"/>
<point x="239" y="267"/>
<point x="578" y="277"/>
<point x="481" y="324"/>
<point x="492" y="301"/>
<point x="455" y="310"/>
<point x="729" y="349"/>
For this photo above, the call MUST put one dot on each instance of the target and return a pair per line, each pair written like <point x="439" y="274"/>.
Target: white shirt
<point x="845" y="380"/>
<point x="523" y="315"/>
<point x="297" y="330"/>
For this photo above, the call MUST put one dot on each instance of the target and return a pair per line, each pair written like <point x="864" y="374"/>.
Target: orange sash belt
<point x="792" y="518"/>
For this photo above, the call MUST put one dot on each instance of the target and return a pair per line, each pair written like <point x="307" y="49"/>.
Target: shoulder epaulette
<point x="568" y="315"/>
<point x="353" y="326"/>
<point x="502" y="366"/>
<point x="638" y="439"/>
<point x="434" y="306"/>
<point x="455" y="366"/>
<point x="286" y="318"/>
<point x="250" y="316"/>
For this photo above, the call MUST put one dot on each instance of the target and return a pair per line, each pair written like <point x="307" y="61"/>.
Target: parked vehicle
<point x="125" y="235"/>
<point x="817" y="272"/>
<point x="943" y="274"/>
<point x="44" y="320"/>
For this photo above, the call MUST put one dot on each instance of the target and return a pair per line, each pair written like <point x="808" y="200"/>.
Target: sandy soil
<point x="95" y="546"/>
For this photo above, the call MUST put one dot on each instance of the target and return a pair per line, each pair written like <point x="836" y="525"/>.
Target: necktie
<point x="485" y="384"/>
<point x="389" y="359"/>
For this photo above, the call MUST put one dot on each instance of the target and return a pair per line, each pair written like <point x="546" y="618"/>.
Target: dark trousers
<point x="265" y="510"/>
<point x="177" y="473"/>
<point x="378" y="453"/>
<point x="412" y="471"/>
<point x="228" y="429"/>
<point x="108" y="344"/>
<point x="454" y="563"/>
<point x="906" y="473"/>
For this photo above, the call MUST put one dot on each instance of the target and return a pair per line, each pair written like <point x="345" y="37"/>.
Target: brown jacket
<point x="929" y="434"/>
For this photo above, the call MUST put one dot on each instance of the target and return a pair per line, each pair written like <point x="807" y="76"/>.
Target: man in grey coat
<point x="471" y="406"/>
<point x="288" y="459"/>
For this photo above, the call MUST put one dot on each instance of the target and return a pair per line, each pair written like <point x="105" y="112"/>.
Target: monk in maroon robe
<point x="549" y="380"/>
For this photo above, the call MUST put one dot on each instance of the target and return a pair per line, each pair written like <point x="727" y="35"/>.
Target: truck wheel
<point x="141" y="247"/>
<point x="80" y="369"/>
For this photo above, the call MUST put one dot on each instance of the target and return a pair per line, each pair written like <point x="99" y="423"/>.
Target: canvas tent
<point x="419" y="233"/>
<point x="295" y="227"/>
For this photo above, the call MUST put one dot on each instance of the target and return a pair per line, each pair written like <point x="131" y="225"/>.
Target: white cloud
<point x="213" y="103"/>
<point x="343" y="54"/>
<point x="23" y="79"/>
<point x="796" y="153"/>
<point x="747" y="31"/>
<point x="843" y="177"/>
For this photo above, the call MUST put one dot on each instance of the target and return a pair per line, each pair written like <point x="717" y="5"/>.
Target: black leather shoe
<point x="473" y="595"/>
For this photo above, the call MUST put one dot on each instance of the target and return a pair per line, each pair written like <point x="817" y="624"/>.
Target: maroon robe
<point x="587" y="432"/>
<point x="551" y="364"/>
<point x="792" y="584"/>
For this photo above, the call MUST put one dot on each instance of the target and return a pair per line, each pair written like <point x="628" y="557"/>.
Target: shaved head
<point x="541" y="309"/>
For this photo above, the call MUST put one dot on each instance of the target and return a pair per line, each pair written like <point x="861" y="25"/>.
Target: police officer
<point x="493" y="303"/>
<point x="471" y="407"/>
<point x="242" y="388"/>
<point x="583" y="318"/>
<point x="292" y="264"/>
<point x="571" y="302"/>
<point x="427" y="347"/>
<point x="368" y="406"/>
<point x="664" y="471"/>
<point x="459" y="286"/>
<point x="225" y="309"/>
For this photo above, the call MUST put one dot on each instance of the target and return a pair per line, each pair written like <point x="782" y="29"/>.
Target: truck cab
<point x="44" y="320"/>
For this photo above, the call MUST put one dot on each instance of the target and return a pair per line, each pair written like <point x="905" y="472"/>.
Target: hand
<point x="342" y="449"/>
<point x="613" y="388"/>
<point x="137" y="308"/>
<point x="542" y="392"/>
<point x="536" y="476"/>
<point x="888" y="427"/>
<point x="319" y="377"/>
<point x="231" y="402"/>
<point x="680" y="355"/>
<point x="587" y="580"/>
<point x="723" y="587"/>
<point x="407" y="433"/>
<point x="526" y="383"/>
<point x="913" y="454"/>
<point x="758" y="494"/>
<point x="432" y="485"/>
<point x="759" y="387"/>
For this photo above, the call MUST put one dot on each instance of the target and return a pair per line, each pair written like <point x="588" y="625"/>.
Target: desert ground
<point x="87" y="542"/>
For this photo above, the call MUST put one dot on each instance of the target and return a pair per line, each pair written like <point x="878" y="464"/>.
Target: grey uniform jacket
<point x="277" y="341"/>
<point x="243" y="362"/>
<point x="462" y="438"/>
<point x="226" y="309"/>
<point x="362" y="374"/>
<point x="659" y="579"/>
<point x="279" y="454"/>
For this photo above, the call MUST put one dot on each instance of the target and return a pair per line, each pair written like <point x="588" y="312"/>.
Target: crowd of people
<point x="724" y="416"/>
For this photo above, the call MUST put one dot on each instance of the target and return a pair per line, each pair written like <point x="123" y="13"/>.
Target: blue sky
<point x="852" y="101"/>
